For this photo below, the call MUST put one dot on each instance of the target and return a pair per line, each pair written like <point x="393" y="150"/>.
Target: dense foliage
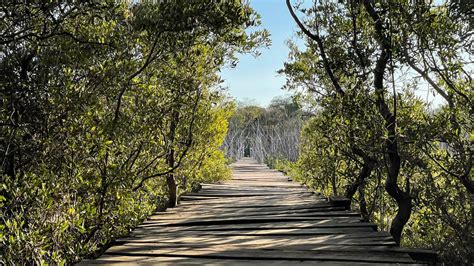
<point x="266" y="134"/>
<point x="112" y="109"/>
<point x="109" y="110"/>
<point x="406" y="163"/>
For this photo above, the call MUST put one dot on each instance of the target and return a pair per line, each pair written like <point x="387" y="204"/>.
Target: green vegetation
<point x="113" y="109"/>
<point x="371" y="139"/>
<point x="109" y="111"/>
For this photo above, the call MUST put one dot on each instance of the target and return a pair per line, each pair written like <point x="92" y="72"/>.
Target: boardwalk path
<point x="257" y="217"/>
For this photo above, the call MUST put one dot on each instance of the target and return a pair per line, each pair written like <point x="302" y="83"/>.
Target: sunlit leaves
<point x="430" y="46"/>
<point x="91" y="88"/>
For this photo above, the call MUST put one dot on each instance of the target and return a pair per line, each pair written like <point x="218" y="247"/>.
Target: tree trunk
<point x="172" y="191"/>
<point x="170" y="160"/>
<point x="471" y="233"/>
<point x="402" y="198"/>
<point x="363" y="203"/>
<point x="333" y="183"/>
<point x="363" y="174"/>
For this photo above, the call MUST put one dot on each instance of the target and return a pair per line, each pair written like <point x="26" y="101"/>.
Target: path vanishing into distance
<point x="258" y="217"/>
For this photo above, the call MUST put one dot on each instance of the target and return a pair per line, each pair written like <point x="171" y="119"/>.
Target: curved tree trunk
<point x="363" y="174"/>
<point x="402" y="198"/>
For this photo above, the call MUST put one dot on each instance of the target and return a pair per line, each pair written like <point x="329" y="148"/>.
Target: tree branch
<point x="320" y="44"/>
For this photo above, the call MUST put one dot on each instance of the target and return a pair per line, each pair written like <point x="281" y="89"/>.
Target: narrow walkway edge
<point x="258" y="217"/>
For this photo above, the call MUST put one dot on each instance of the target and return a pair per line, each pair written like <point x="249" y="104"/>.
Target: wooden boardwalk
<point x="258" y="217"/>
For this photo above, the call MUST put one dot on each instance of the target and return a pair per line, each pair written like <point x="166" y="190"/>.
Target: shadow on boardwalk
<point x="258" y="217"/>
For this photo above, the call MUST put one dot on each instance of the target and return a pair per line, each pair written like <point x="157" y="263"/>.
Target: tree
<point x="362" y="62"/>
<point x="101" y="103"/>
<point x="268" y="133"/>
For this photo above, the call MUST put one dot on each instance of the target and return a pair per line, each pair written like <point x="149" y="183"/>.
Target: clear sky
<point x="257" y="78"/>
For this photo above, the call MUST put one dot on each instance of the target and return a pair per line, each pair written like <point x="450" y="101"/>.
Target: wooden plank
<point x="268" y="241"/>
<point x="248" y="194"/>
<point x="257" y="217"/>
<point x="246" y="205"/>
<point x="252" y="212"/>
<point x="258" y="254"/>
<point x="250" y="219"/>
<point x="246" y="208"/>
<point x="276" y="225"/>
<point x="254" y="197"/>
<point x="394" y="250"/>
<point x="327" y="212"/>
<point x="257" y="201"/>
<point x="228" y="186"/>
<point x="180" y="260"/>
<point x="255" y="232"/>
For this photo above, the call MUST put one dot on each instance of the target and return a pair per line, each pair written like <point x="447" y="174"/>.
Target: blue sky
<point x="256" y="78"/>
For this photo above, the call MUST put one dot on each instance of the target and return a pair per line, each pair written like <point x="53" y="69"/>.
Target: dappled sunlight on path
<point x="257" y="217"/>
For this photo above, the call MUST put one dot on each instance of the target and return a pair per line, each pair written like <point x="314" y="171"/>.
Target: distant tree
<point x="271" y="132"/>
